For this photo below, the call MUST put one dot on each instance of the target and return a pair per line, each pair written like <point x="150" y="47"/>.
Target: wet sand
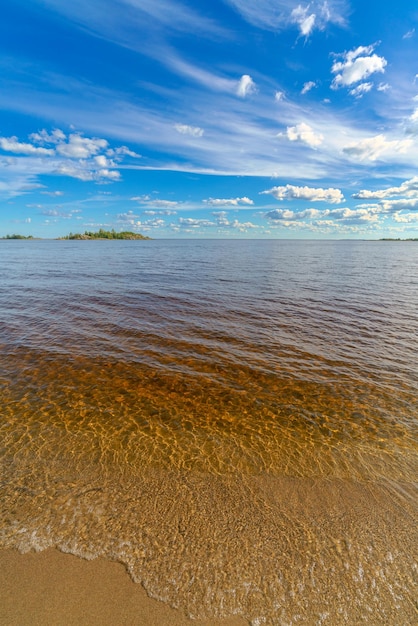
<point x="50" y="588"/>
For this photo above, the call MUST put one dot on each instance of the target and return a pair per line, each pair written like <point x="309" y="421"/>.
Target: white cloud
<point x="103" y="162"/>
<point x="373" y="148"/>
<point x="191" y="222"/>
<point x="223" y="221"/>
<point x="279" y="96"/>
<point x="312" y="194"/>
<point x="166" y="204"/>
<point x="409" y="189"/>
<point x="356" y="215"/>
<point x="79" y="147"/>
<point x="228" y="201"/>
<point x="123" y="151"/>
<point x="43" y="136"/>
<point x="280" y="214"/>
<point x="81" y="171"/>
<point x="304" y="133"/>
<point x="53" y="194"/>
<point x="128" y="217"/>
<point x="279" y="14"/>
<point x="163" y="212"/>
<point x="11" y="144"/>
<point x="326" y="217"/>
<point x="409" y="34"/>
<point x="185" y="129"/>
<point x="305" y="20"/>
<point x="308" y="86"/>
<point x="360" y="90"/>
<point x="405" y="218"/>
<point x="383" y="87"/>
<point x="246" y="86"/>
<point x="388" y="206"/>
<point x="156" y="203"/>
<point x="243" y="226"/>
<point x="287" y="214"/>
<point x="356" y="65"/>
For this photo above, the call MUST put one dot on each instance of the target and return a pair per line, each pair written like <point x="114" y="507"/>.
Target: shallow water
<point x="235" y="421"/>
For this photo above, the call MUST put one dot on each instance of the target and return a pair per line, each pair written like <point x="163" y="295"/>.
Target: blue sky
<point x="230" y="118"/>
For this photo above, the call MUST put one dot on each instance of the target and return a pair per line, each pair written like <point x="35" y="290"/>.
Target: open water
<point x="235" y="421"/>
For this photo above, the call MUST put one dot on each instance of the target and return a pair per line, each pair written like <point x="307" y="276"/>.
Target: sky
<point x="220" y="119"/>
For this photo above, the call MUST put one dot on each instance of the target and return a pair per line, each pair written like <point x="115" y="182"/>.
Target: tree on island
<point x="105" y="234"/>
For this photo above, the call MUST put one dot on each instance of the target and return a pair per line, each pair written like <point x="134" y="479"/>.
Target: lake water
<point x="235" y="421"/>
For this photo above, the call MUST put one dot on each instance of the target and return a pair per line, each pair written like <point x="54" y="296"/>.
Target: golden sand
<point x="54" y="589"/>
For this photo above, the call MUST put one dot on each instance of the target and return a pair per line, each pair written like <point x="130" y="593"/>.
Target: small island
<point x="105" y="234"/>
<point x="17" y="237"/>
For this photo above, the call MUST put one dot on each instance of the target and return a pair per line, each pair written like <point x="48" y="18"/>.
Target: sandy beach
<point x="54" y="589"/>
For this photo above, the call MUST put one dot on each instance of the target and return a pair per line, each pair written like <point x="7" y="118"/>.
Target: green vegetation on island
<point x="17" y="237"/>
<point x="105" y="234"/>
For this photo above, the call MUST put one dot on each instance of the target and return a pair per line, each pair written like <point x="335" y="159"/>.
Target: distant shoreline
<point x="88" y="235"/>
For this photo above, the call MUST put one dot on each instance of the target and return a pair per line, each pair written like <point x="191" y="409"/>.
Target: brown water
<point x="234" y="421"/>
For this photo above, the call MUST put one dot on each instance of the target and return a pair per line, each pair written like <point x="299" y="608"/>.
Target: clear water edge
<point x="236" y="422"/>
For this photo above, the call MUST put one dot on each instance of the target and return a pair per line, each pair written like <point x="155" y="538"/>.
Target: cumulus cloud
<point x="11" y="144"/>
<point x="102" y="161"/>
<point x="409" y="189"/>
<point x="79" y="147"/>
<point x="308" y="86"/>
<point x="287" y="214"/>
<point x="185" y="129"/>
<point x="405" y="218"/>
<point x="242" y="226"/>
<point x="246" y="86"/>
<point x="326" y="217"/>
<point x="280" y="214"/>
<point x="373" y="148"/>
<point x="191" y="222"/>
<point x="356" y="66"/>
<point x="223" y="221"/>
<point x="82" y="172"/>
<point x="128" y="218"/>
<point x="304" y="133"/>
<point x="279" y="96"/>
<point x="123" y="151"/>
<point x="311" y="194"/>
<point x="83" y="158"/>
<point x="43" y="136"/>
<point x="228" y="201"/>
<point x="354" y="215"/>
<point x="403" y="204"/>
